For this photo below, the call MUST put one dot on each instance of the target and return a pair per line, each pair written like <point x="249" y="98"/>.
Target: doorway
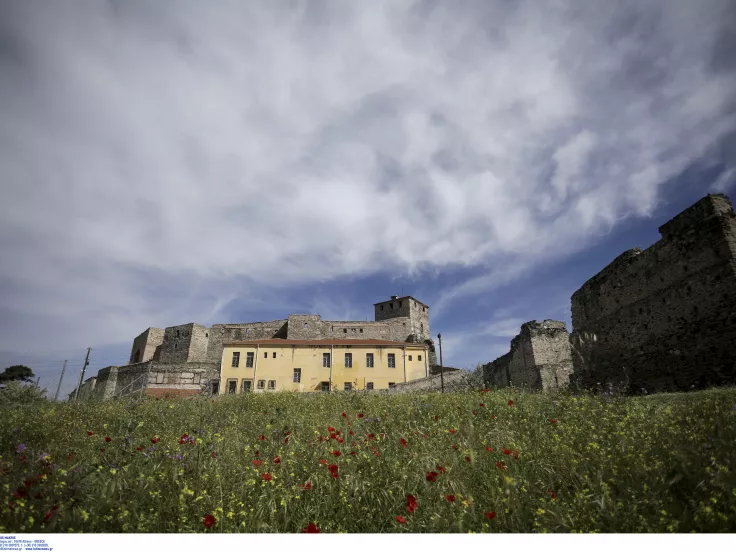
<point x="247" y="385"/>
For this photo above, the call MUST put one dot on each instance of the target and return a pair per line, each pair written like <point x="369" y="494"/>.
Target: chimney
<point x="394" y="297"/>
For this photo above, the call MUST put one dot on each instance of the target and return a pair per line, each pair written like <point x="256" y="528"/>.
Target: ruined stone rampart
<point x="663" y="318"/>
<point x="454" y="381"/>
<point x="539" y="358"/>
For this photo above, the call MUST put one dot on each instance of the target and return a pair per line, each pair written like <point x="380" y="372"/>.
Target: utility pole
<point x="442" y="369"/>
<point x="58" y="388"/>
<point x="81" y="376"/>
<point x="37" y="381"/>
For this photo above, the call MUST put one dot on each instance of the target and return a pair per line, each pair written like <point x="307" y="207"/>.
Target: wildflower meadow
<point x="488" y="461"/>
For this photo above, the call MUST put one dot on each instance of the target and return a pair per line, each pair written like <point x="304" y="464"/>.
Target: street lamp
<point x="442" y="369"/>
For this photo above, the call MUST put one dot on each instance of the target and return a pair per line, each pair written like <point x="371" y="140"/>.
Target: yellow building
<point x="319" y="365"/>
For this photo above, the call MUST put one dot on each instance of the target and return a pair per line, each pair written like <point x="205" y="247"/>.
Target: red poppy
<point x="353" y="453"/>
<point x="467" y="458"/>
<point x="510" y="403"/>
<point x="69" y="456"/>
<point x="371" y="436"/>
<point x="450" y="498"/>
<point x="90" y="433"/>
<point x="552" y="494"/>
<point x="155" y="440"/>
<point x="350" y="423"/>
<point x="432" y="476"/>
<point x="474" y="412"/>
<point x="516" y="455"/>
<point x="337" y="433"/>
<point x="307" y="486"/>
<point x="452" y="430"/>
<point x="489" y="449"/>
<point x="277" y="460"/>
<point x="455" y="447"/>
<point x="403" y="442"/>
<point x="501" y="465"/>
<point x="28" y="482"/>
<point x="266" y="476"/>
<point x="481" y="404"/>
<point x="344" y="415"/>
<point x="401" y="519"/>
<point x="335" y="453"/>
<point x="209" y="521"/>
<point x="376" y="452"/>
<point x="351" y="432"/>
<point x="214" y="455"/>
<point x="331" y="429"/>
<point x="50" y="512"/>
<point x="411" y="503"/>
<point x="257" y="462"/>
<point x="333" y="470"/>
<point x="258" y="453"/>
<point x="288" y="432"/>
<point x="333" y="436"/>
<point x="138" y="448"/>
<point x="340" y="440"/>
<point x="262" y="438"/>
<point x="436" y="418"/>
<point x="552" y="421"/>
<point x="494" y="417"/>
<point x="441" y="469"/>
<point x="108" y="439"/>
<point x="489" y="515"/>
<point x="286" y="441"/>
<point x="311" y="528"/>
<point x="360" y="415"/>
<point x="506" y="451"/>
<point x="322" y="461"/>
<point x="183" y="439"/>
<point x="23" y="458"/>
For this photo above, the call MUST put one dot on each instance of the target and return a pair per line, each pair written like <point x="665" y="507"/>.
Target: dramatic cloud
<point x="160" y="160"/>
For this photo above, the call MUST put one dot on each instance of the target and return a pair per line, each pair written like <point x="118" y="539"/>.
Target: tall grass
<point x="542" y="463"/>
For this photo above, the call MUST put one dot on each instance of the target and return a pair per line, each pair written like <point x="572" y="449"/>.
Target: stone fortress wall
<point x="663" y="319"/>
<point x="183" y="359"/>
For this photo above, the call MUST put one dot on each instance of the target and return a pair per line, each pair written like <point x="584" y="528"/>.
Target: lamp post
<point x="442" y="369"/>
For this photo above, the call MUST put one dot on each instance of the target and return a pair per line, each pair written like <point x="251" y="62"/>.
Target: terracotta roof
<point x="322" y="342"/>
<point x="400" y="298"/>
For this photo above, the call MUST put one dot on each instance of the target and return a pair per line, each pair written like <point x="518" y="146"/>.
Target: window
<point x="419" y="357"/>
<point x="297" y="375"/>
<point x="348" y="386"/>
<point x="274" y="355"/>
<point x="422" y="326"/>
<point x="247" y="385"/>
<point x="325" y="386"/>
<point x="272" y="384"/>
<point x="391" y="360"/>
<point x="236" y="360"/>
<point x="246" y="331"/>
<point x="261" y="384"/>
<point x="391" y="385"/>
<point x="361" y="330"/>
<point x="369" y="385"/>
<point x="206" y="334"/>
<point x="232" y="385"/>
<point x="424" y="309"/>
<point x="409" y="358"/>
<point x="344" y="330"/>
<point x="381" y="307"/>
<point x="175" y="346"/>
<point x="348" y="360"/>
<point x="215" y="387"/>
<point x="249" y="360"/>
<point x="178" y="333"/>
<point x="332" y="328"/>
<point x="305" y="324"/>
<point x="325" y="360"/>
<point x="399" y="304"/>
<point x="391" y="305"/>
<point x="369" y="360"/>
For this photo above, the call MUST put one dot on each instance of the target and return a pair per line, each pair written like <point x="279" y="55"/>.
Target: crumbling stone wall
<point x="539" y="358"/>
<point x="415" y="315"/>
<point x="147" y="345"/>
<point x="454" y="381"/>
<point x="184" y="343"/>
<point x="224" y="333"/>
<point x="664" y="318"/>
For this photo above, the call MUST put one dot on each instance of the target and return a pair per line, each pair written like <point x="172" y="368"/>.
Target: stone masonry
<point x="539" y="358"/>
<point x="664" y="318"/>
<point x="196" y="349"/>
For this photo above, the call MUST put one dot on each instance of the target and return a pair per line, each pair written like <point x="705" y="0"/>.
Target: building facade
<point x="320" y="365"/>
<point x="184" y="359"/>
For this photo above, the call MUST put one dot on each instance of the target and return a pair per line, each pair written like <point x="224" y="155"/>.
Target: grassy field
<point x="496" y="461"/>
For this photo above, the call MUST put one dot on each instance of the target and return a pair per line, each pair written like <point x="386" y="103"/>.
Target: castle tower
<point x="415" y="312"/>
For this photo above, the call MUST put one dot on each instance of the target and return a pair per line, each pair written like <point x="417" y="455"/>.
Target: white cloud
<point x="159" y="161"/>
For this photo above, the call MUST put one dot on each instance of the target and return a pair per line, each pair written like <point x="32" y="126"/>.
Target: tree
<point x="17" y="373"/>
<point x="15" y="393"/>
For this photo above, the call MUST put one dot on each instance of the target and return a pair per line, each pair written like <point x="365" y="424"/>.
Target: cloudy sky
<point x="186" y="161"/>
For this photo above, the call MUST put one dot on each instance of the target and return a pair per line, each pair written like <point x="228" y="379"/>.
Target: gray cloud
<point x="159" y="160"/>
